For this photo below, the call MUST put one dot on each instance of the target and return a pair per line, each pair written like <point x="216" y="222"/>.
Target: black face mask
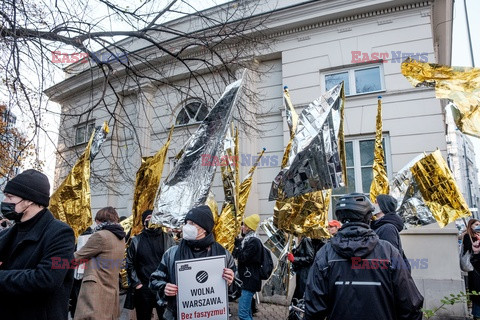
<point x="8" y="211"/>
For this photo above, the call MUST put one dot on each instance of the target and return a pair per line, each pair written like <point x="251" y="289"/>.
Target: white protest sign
<point x="80" y="270"/>
<point x="202" y="292"/>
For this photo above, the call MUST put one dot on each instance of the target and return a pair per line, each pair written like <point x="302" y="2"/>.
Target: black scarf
<point x="114" y="228"/>
<point x="191" y="249"/>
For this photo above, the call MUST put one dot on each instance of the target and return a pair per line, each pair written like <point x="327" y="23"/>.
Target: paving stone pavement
<point x="266" y="311"/>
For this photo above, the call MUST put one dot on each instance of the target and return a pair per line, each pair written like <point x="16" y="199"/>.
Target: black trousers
<point x="144" y="300"/>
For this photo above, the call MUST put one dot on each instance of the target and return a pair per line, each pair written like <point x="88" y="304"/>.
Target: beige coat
<point x="99" y="295"/>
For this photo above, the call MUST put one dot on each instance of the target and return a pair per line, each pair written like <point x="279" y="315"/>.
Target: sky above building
<point x="460" y="47"/>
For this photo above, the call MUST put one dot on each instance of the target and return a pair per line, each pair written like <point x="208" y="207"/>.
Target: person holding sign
<point x="249" y="251"/>
<point x="198" y="242"/>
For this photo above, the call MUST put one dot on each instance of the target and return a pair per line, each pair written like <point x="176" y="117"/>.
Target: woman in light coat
<point x="99" y="294"/>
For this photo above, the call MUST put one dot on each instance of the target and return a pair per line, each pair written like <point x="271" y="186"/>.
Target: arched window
<point x="192" y="112"/>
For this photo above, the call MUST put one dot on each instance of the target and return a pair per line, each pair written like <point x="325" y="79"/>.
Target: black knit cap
<point x="145" y="214"/>
<point x="202" y="216"/>
<point x="30" y="185"/>
<point x="387" y="203"/>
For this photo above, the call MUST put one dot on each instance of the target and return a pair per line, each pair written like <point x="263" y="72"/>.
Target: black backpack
<point x="266" y="268"/>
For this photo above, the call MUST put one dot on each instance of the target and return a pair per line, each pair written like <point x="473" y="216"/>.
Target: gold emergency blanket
<point x="146" y="184"/>
<point x="410" y="204"/>
<point x="460" y="84"/>
<point x="439" y="190"/>
<point x="70" y="203"/>
<point x="228" y="225"/>
<point x="127" y="224"/>
<point x="380" y="179"/>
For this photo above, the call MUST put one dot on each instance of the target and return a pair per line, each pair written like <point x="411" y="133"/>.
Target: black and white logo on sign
<point x="201" y="276"/>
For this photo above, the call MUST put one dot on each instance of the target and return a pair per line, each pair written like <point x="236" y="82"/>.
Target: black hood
<point x="391" y="218"/>
<point x="354" y="239"/>
<point x="116" y="229"/>
<point x="387" y="203"/>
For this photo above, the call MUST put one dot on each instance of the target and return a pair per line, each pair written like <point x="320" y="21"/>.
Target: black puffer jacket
<point x="249" y="255"/>
<point x="358" y="276"/>
<point x="388" y="228"/>
<point x="145" y="254"/>
<point x="303" y="260"/>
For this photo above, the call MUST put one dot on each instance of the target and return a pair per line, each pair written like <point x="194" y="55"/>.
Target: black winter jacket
<point x="303" y="260"/>
<point x="31" y="285"/>
<point x="166" y="274"/>
<point x="358" y="276"/>
<point x="388" y="228"/>
<point x="249" y="259"/>
<point x="145" y="254"/>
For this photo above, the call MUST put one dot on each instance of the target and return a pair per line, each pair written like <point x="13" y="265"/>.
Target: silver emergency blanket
<point x="99" y="138"/>
<point x="277" y="239"/>
<point x="188" y="183"/>
<point x="278" y="282"/>
<point x="277" y="242"/>
<point x="314" y="161"/>
<point x="410" y="204"/>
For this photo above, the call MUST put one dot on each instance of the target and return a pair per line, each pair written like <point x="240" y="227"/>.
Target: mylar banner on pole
<point x="189" y="182"/>
<point x="427" y="192"/>
<point x="460" y="84"/>
<point x="315" y="160"/>
<point x="70" y="203"/>
<point x="228" y="225"/>
<point x="380" y="179"/>
<point x="203" y="293"/>
<point x="146" y="184"/>
<point x="306" y="214"/>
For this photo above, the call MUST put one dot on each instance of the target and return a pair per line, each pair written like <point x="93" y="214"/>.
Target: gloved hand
<point x="238" y="241"/>
<point x="290" y="257"/>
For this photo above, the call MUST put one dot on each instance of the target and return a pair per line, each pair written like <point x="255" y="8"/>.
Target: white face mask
<point x="189" y="232"/>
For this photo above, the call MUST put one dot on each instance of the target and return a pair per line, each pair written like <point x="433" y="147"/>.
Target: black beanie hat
<point x="30" y="185"/>
<point x="202" y="216"/>
<point x="145" y="214"/>
<point x="387" y="203"/>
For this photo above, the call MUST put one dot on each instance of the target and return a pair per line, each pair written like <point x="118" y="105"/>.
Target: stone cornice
<point x="83" y="80"/>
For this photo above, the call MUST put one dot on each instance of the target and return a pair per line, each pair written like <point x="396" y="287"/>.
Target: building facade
<point x="9" y="140"/>
<point x="461" y="160"/>
<point x="316" y="45"/>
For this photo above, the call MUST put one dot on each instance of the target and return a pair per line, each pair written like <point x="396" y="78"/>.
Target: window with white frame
<point x="83" y="132"/>
<point x="358" y="80"/>
<point x="359" y="156"/>
<point x="192" y="112"/>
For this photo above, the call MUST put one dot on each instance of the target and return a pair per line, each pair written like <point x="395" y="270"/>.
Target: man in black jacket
<point x="35" y="279"/>
<point x="388" y="223"/>
<point x="353" y="276"/>
<point x="249" y="253"/>
<point x="198" y="242"/>
<point x="143" y="257"/>
<point x="301" y="259"/>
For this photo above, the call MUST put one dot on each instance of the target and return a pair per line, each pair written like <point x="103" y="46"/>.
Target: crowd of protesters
<point x="42" y="266"/>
